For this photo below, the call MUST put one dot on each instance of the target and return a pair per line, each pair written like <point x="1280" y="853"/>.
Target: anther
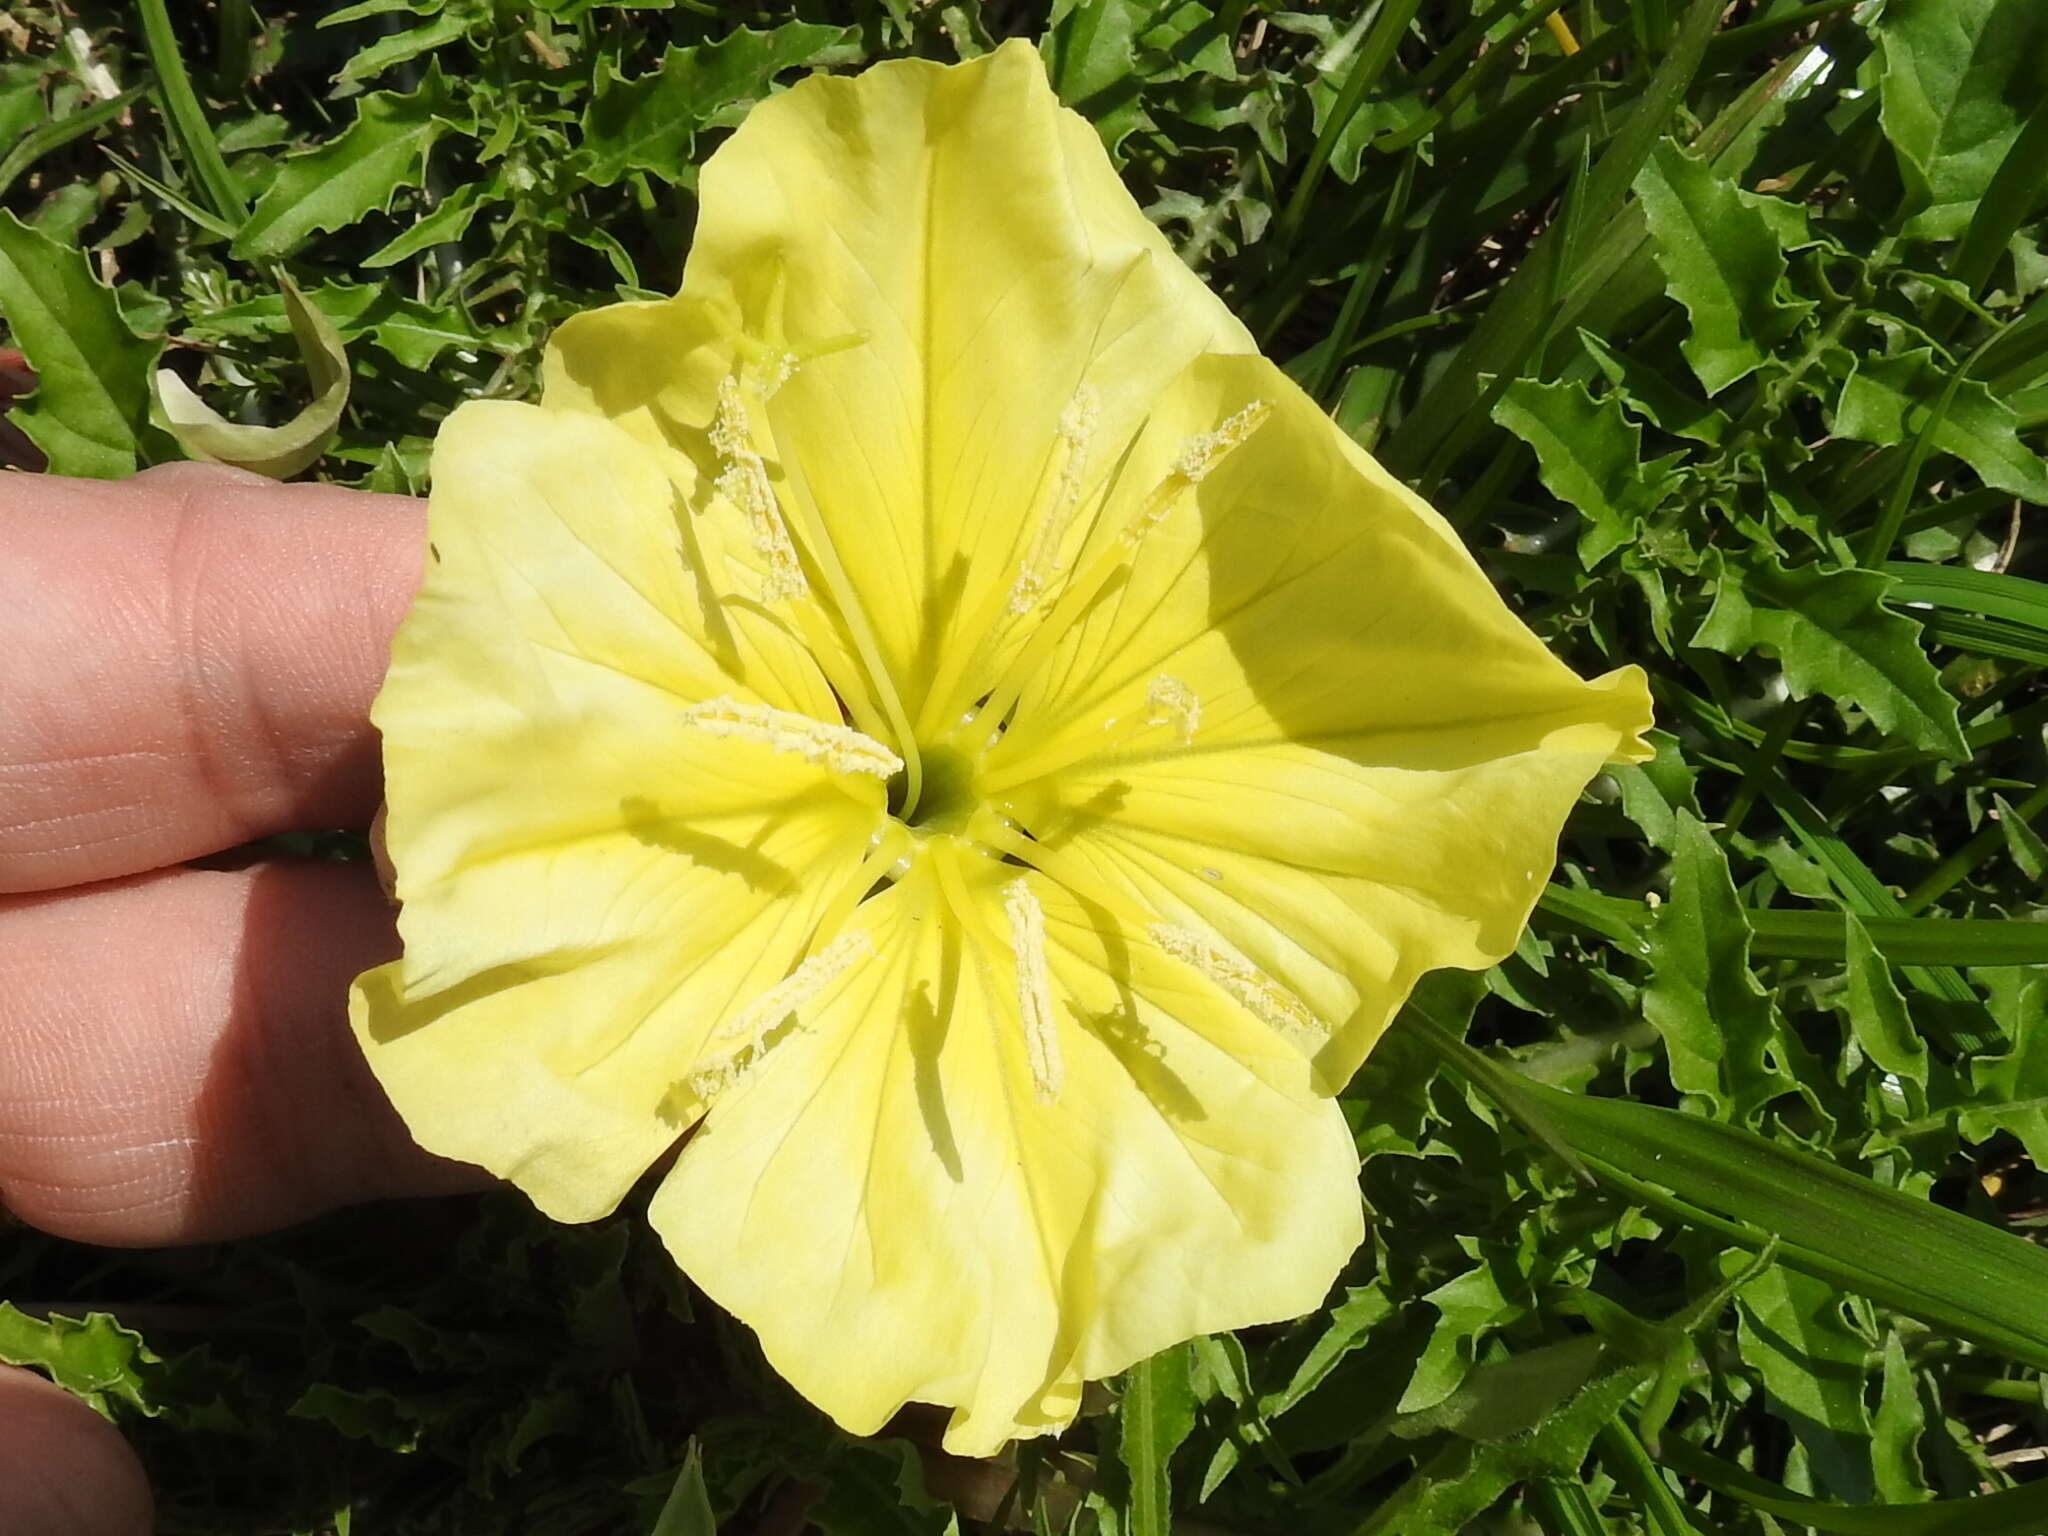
<point x="744" y="482"/>
<point x="1200" y="454"/>
<point x="1169" y="701"/>
<point x="810" y="978"/>
<point x="838" y="747"/>
<point x="1197" y="460"/>
<point x="749" y="1028"/>
<point x="1075" y="430"/>
<point x="1034" y="989"/>
<point x="1198" y="457"/>
<point x="724" y="1072"/>
<point x="1261" y="996"/>
<point x="708" y="1079"/>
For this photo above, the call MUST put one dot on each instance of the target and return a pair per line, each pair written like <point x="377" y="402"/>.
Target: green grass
<point x="1722" y="342"/>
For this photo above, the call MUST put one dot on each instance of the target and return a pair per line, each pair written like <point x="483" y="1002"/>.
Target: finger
<point x="178" y="1065"/>
<point x="69" y="1472"/>
<point x="188" y="660"/>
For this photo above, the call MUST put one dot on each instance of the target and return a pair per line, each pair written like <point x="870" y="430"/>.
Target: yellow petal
<point x="590" y="880"/>
<point x="652" y="366"/>
<point x="890" y="1202"/>
<point x="1384" y="754"/>
<point x="1343" y="882"/>
<point x="972" y="238"/>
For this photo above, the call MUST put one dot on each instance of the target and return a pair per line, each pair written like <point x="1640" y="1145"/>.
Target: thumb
<point x="69" y="1472"/>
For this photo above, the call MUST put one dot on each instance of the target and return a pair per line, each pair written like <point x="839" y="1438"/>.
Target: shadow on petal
<point x="1143" y="1056"/>
<point x="1137" y="1050"/>
<point x="1101" y="806"/>
<point x="718" y="630"/>
<point x="925" y="1026"/>
<point x="389" y="1015"/>
<point x="655" y="827"/>
<point x="1356" y="625"/>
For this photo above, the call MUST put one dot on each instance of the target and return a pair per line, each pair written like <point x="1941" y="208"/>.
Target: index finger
<point x="187" y="660"/>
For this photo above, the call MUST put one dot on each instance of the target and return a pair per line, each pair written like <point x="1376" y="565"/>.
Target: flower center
<point x="947" y="799"/>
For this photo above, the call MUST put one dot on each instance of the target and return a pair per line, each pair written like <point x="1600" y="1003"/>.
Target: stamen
<point x="744" y="482"/>
<point x="708" y="1079"/>
<point x="1198" y="457"/>
<point x="1005" y="835"/>
<point x="838" y="747"/>
<point x="1200" y="454"/>
<point x="797" y="988"/>
<point x="1076" y="429"/>
<point x="887" y="858"/>
<point x="1271" y="1003"/>
<point x="749" y="1028"/>
<point x="1169" y="701"/>
<point x="1034" y="989"/>
<point x="1197" y="460"/>
<point x="843" y="596"/>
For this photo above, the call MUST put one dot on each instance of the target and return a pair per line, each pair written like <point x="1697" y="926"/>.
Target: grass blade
<point x="1519" y="321"/>
<point x="1786" y="934"/>
<point x="1955" y="941"/>
<point x="2013" y="1512"/>
<point x="2015" y="192"/>
<point x="188" y="117"/>
<point x="1920" y="1258"/>
<point x="1158" y="1412"/>
<point x="1376" y="53"/>
<point x="39" y="141"/>
<point x="1989" y="637"/>
<point x="1960" y="587"/>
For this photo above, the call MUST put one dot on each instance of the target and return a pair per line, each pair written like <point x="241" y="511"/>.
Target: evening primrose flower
<point x="932" y="722"/>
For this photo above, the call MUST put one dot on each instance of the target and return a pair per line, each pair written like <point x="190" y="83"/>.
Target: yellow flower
<point x="931" y="709"/>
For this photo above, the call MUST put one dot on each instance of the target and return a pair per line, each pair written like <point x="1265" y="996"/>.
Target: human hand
<point x="186" y="663"/>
